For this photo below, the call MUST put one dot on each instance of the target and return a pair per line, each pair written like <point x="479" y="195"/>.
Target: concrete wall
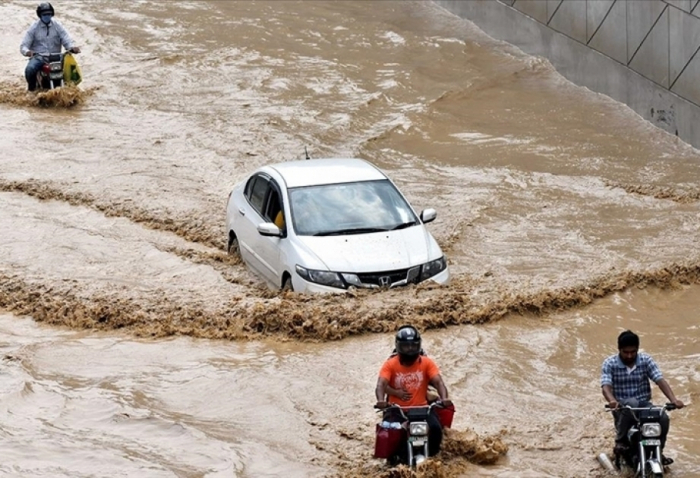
<point x="641" y="52"/>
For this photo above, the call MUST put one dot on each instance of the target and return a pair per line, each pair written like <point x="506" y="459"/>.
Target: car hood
<point x="375" y="252"/>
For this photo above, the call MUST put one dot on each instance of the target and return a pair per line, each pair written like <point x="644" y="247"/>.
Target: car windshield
<point x="349" y="208"/>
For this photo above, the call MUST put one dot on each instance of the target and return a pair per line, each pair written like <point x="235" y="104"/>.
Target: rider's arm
<point x="606" y="384"/>
<point x="381" y="393"/>
<point x="26" y="45"/>
<point x="655" y="375"/>
<point x="666" y="388"/>
<point x="391" y="392"/>
<point x="608" y="393"/>
<point x="66" y="40"/>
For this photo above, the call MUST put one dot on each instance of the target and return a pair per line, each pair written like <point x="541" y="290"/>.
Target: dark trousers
<point x="33" y="66"/>
<point x="434" y="432"/>
<point x="624" y="421"/>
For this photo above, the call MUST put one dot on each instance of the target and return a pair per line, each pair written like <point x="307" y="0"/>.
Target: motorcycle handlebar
<point x="54" y="54"/>
<point x="437" y="403"/>
<point x="669" y="406"/>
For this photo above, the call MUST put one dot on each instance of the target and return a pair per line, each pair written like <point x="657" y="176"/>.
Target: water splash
<point x="65" y="97"/>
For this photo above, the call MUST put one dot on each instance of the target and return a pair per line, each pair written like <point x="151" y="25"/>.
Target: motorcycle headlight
<point x="419" y="428"/>
<point x="331" y="279"/>
<point x="432" y="268"/>
<point x="651" y="429"/>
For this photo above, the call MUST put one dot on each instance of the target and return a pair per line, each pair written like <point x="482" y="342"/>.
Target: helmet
<point x="408" y="343"/>
<point x="44" y="8"/>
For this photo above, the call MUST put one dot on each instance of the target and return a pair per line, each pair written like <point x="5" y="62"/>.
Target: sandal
<point x="665" y="461"/>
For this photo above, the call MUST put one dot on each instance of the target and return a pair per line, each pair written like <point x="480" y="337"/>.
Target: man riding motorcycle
<point x="625" y="381"/>
<point x="404" y="379"/>
<point x="44" y="37"/>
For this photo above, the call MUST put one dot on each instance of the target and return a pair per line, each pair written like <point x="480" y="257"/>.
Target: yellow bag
<point x="71" y="70"/>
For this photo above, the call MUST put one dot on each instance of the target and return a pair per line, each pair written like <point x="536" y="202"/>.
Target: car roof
<point x="314" y="172"/>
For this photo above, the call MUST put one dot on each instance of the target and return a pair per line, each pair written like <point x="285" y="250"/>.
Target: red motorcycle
<point x="411" y="432"/>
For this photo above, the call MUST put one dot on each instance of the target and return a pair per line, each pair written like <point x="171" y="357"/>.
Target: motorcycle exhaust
<point x="606" y="463"/>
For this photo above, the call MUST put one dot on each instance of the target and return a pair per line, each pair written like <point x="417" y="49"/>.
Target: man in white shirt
<point x="44" y="37"/>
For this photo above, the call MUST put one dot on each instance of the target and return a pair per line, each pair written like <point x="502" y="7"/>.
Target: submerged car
<point x="325" y="225"/>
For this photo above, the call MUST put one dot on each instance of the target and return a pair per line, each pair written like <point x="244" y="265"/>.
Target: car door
<point x="249" y="216"/>
<point x="269" y="246"/>
<point x="263" y="197"/>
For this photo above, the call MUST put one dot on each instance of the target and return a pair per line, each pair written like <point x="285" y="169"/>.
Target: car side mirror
<point x="269" y="229"/>
<point x="428" y="215"/>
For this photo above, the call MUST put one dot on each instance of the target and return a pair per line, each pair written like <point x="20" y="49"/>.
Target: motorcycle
<point x="643" y="455"/>
<point x="411" y="432"/>
<point x="53" y="72"/>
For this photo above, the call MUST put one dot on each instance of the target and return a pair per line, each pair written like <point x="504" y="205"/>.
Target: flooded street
<point x="133" y="345"/>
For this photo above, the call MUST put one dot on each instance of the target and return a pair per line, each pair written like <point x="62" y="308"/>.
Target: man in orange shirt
<point x="404" y="380"/>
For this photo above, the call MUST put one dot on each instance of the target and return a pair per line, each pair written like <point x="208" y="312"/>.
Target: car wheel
<point x="287" y="284"/>
<point x="234" y="248"/>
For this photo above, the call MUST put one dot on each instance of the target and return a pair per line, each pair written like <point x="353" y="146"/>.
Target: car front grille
<point x="388" y="278"/>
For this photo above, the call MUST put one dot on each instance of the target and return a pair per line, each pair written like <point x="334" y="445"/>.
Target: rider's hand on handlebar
<point x="29" y="53"/>
<point x="678" y="403"/>
<point x="613" y="405"/>
<point x="75" y="49"/>
<point x="381" y="405"/>
<point x="446" y="403"/>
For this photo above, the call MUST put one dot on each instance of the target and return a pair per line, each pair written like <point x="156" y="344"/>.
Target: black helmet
<point x="408" y="342"/>
<point x="44" y="9"/>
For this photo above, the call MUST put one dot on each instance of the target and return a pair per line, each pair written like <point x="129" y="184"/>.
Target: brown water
<point x="134" y="346"/>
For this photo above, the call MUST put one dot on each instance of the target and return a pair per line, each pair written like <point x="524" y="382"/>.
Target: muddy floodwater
<point x="132" y="345"/>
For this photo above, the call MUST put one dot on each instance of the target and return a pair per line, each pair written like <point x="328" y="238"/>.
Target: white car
<point x="325" y="225"/>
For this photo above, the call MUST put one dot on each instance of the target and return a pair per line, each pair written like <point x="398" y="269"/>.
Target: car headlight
<point x="352" y="279"/>
<point x="419" y="428"/>
<point x="432" y="268"/>
<point x="331" y="279"/>
<point x="651" y="429"/>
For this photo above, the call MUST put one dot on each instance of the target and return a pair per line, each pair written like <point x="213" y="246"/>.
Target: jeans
<point x="624" y="421"/>
<point x="33" y="66"/>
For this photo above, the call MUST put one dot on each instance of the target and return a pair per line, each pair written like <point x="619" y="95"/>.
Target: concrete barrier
<point x="640" y="52"/>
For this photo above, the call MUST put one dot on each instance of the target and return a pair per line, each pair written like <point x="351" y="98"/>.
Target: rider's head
<point x="408" y="344"/>
<point x="45" y="12"/>
<point x="628" y="345"/>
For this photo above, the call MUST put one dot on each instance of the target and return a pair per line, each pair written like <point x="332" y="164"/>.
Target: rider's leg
<point x="665" y="425"/>
<point x="624" y="421"/>
<point x="33" y="67"/>
<point x="401" y="454"/>
<point x="434" y="433"/>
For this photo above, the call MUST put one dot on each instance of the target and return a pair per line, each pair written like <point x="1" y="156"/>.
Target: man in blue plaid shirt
<point x="625" y="381"/>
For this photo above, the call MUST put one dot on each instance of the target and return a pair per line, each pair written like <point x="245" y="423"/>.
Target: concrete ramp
<point x="641" y="52"/>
